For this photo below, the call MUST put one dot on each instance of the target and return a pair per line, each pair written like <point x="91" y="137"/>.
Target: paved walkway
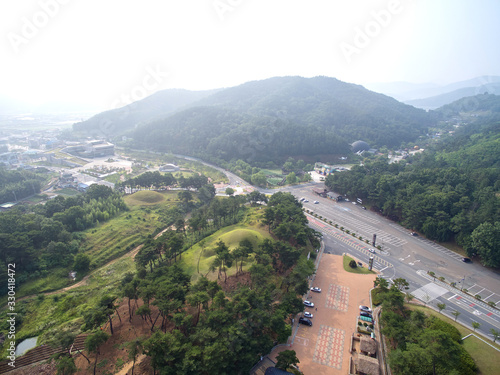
<point x="324" y="348"/>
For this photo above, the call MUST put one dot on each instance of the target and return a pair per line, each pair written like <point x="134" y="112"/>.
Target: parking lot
<point x="324" y="347"/>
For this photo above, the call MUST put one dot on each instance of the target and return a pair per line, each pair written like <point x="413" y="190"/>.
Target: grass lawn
<point x="203" y="252"/>
<point x="360" y="270"/>
<point x="487" y="359"/>
<point x="67" y="192"/>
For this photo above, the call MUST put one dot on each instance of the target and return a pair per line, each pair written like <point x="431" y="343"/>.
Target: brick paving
<point x="323" y="349"/>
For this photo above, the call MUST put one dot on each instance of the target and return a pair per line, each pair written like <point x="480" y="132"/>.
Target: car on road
<point x="305" y="201"/>
<point x="307" y="314"/>
<point x="316" y="289"/>
<point x="346" y="199"/>
<point x="372" y="250"/>
<point x="308" y="303"/>
<point x="414" y="234"/>
<point x="365" y="308"/>
<point x="316" y="202"/>
<point x="364" y="313"/>
<point x="363" y="207"/>
<point x="305" y="321"/>
<point x="467" y="260"/>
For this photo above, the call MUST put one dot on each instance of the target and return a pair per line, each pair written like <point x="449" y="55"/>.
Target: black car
<point x="363" y="313"/>
<point x="305" y="321"/>
<point x="466" y="260"/>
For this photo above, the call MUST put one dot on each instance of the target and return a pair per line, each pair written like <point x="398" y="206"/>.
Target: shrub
<point x="492" y="304"/>
<point x="441" y="278"/>
<point x="477" y="296"/>
<point x="353" y="264"/>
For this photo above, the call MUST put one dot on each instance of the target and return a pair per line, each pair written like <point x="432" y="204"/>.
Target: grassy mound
<point x="197" y="260"/>
<point x="144" y="197"/>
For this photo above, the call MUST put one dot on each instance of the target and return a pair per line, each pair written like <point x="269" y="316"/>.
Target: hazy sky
<point x="109" y="52"/>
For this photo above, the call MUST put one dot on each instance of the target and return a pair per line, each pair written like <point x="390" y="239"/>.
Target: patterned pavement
<point x="329" y="349"/>
<point x="338" y="297"/>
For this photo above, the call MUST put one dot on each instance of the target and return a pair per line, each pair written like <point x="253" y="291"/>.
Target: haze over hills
<point x="118" y="121"/>
<point x="300" y="115"/>
<point x="432" y="96"/>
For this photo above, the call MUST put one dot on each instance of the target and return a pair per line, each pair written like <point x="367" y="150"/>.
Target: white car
<point x="308" y="303"/>
<point x="316" y="289"/>
<point x="316" y="202"/>
<point x="307" y="314"/>
<point x="365" y="309"/>
<point x="372" y="250"/>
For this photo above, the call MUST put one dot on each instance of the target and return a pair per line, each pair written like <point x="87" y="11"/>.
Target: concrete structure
<point x="169" y="168"/>
<point x="91" y="149"/>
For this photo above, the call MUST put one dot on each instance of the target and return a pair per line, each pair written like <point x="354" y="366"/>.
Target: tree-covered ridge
<point x="47" y="237"/>
<point x="116" y="122"/>
<point x="15" y="185"/>
<point x="486" y="104"/>
<point x="350" y="110"/>
<point x="445" y="193"/>
<point x="274" y="119"/>
<point x="222" y="134"/>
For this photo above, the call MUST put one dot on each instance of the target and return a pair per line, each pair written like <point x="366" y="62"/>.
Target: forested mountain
<point x="483" y="105"/>
<point x="218" y="133"/>
<point x="449" y="97"/>
<point x="284" y="116"/>
<point x="117" y="121"/>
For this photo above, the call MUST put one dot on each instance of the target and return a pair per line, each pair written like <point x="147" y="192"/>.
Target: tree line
<point x="42" y="237"/>
<point x="19" y="184"/>
<point x="419" y="344"/>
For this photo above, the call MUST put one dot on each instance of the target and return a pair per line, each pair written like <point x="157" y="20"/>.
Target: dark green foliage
<point x="16" y="185"/>
<point x="273" y="119"/>
<point x="450" y="191"/>
<point x="353" y="264"/>
<point x="286" y="358"/>
<point x="421" y="345"/>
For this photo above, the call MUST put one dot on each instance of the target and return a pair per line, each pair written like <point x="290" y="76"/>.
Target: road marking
<point x="492" y="294"/>
<point x="453" y="296"/>
<point x="384" y="268"/>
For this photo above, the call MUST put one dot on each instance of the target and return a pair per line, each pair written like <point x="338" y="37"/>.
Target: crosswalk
<point x="430" y="243"/>
<point x="368" y="231"/>
<point x="378" y="262"/>
<point x="429" y="292"/>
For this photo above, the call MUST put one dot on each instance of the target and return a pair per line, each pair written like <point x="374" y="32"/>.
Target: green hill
<point x="279" y="117"/>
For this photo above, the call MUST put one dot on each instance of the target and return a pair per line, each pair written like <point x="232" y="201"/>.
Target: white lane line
<point x="492" y="294"/>
<point x="453" y="296"/>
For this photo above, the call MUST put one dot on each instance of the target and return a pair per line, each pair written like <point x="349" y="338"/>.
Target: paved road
<point x="410" y="258"/>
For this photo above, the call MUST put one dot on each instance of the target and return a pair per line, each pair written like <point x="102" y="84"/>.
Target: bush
<point x="353" y="264"/>
<point x="477" y="296"/>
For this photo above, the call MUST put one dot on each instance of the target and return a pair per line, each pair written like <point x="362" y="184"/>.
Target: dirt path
<point x="128" y="366"/>
<point x="83" y="281"/>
